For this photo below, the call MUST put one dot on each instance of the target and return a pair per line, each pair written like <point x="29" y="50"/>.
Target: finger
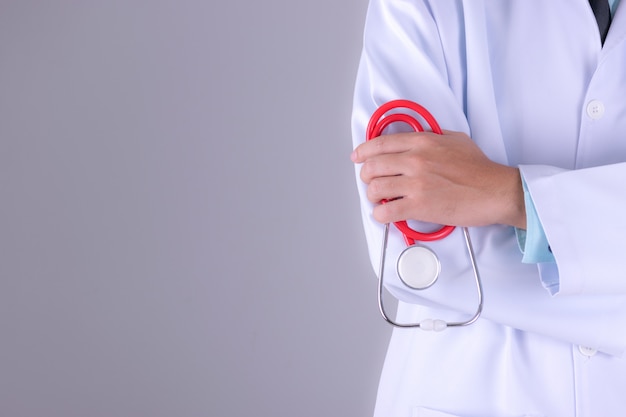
<point x="386" y="188"/>
<point x="391" y="211"/>
<point x="387" y="165"/>
<point x="386" y="144"/>
<point x="404" y="209"/>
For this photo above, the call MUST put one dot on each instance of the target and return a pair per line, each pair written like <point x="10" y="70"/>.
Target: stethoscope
<point x="417" y="266"/>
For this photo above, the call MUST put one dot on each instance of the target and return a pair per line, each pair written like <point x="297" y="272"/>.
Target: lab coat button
<point x="595" y="109"/>
<point x="587" y="351"/>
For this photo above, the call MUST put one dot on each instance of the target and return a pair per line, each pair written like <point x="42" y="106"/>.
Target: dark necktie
<point x="603" y="16"/>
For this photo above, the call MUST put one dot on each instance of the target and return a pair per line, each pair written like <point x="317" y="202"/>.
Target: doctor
<point x="541" y="184"/>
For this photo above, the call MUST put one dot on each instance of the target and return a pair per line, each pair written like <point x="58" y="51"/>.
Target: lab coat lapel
<point x="485" y="128"/>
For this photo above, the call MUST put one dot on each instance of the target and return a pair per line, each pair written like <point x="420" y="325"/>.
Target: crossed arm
<point x="443" y="179"/>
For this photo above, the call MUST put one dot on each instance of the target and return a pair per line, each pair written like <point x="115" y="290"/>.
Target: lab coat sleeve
<point x="398" y="63"/>
<point x="583" y="215"/>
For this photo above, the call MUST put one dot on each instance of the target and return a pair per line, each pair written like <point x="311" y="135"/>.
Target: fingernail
<point x="353" y="156"/>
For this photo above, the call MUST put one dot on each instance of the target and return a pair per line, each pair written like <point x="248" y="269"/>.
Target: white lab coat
<point x="529" y="81"/>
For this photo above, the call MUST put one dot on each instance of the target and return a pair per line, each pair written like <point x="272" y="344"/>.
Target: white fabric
<point x="518" y="76"/>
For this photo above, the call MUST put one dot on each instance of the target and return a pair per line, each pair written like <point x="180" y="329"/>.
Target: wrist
<point x="514" y="210"/>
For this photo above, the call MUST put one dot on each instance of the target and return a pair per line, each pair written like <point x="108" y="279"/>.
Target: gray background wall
<point x="179" y="229"/>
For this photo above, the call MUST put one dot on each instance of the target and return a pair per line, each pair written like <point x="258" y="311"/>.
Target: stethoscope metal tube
<point x="430" y="324"/>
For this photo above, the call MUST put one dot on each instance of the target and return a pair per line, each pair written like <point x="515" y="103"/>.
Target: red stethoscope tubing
<point x="377" y="124"/>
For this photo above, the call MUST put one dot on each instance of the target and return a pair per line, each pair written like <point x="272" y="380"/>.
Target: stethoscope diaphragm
<point x="418" y="267"/>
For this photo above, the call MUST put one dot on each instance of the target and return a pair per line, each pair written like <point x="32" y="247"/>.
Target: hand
<point x="443" y="179"/>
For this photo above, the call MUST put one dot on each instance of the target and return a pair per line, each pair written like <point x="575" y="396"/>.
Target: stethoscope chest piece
<point x="418" y="267"/>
